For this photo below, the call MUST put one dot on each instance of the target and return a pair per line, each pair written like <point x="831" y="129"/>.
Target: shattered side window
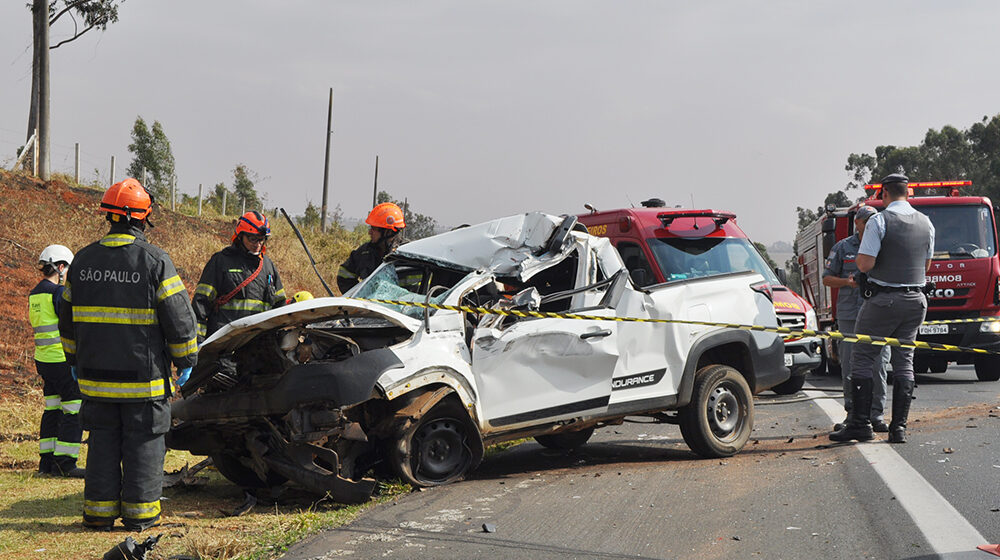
<point x="401" y="282"/>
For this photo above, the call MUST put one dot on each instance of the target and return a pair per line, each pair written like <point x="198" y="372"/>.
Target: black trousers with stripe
<point x="125" y="460"/>
<point x="60" y="424"/>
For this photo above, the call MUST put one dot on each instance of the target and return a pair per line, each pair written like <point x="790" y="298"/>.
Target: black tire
<point x="718" y="420"/>
<point x="565" y="440"/>
<point x="833" y="367"/>
<point x="438" y="449"/>
<point x="231" y="467"/>
<point x="938" y="366"/>
<point x="987" y="368"/>
<point x="791" y="386"/>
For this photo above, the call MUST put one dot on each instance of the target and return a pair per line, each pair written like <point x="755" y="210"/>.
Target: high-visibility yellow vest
<point x="45" y="322"/>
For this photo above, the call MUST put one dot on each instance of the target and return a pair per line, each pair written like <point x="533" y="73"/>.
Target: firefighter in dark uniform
<point x="385" y="221"/>
<point x="125" y="317"/>
<point x="60" y="432"/>
<point x="841" y="272"/>
<point x="240" y="280"/>
<point x="895" y="253"/>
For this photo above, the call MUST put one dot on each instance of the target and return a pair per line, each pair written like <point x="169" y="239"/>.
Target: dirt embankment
<point x="34" y="214"/>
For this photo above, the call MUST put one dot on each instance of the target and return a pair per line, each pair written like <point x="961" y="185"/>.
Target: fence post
<point x="244" y="211"/>
<point x="112" y="170"/>
<point x="224" y="193"/>
<point x="34" y="155"/>
<point x="144" y="177"/>
<point x="76" y="168"/>
<point x="173" y="193"/>
<point x="199" y="199"/>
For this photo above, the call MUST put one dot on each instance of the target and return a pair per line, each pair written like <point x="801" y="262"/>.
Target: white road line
<point x="943" y="526"/>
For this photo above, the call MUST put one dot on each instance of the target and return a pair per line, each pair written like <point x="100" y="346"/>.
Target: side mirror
<point x="782" y="275"/>
<point x="638" y="277"/>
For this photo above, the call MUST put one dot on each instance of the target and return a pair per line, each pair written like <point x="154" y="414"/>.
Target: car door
<point x="531" y="370"/>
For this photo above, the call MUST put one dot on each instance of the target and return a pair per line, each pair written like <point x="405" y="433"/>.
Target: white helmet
<point x="54" y="254"/>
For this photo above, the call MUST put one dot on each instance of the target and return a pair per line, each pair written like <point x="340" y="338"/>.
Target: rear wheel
<point x="232" y="467"/>
<point x="718" y="420"/>
<point x="565" y="440"/>
<point x="988" y="368"/>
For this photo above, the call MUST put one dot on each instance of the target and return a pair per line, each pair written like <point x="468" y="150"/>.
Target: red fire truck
<point x="965" y="270"/>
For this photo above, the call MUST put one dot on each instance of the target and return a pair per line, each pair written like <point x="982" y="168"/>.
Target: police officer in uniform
<point x="385" y="221"/>
<point x="842" y="273"/>
<point x="125" y="317"/>
<point x="240" y="280"/>
<point x="60" y="432"/>
<point x="895" y="253"/>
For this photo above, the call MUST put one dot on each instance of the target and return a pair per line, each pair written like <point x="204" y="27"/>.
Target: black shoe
<point x="68" y="469"/>
<point x="902" y="394"/>
<point x="140" y="527"/>
<point x="858" y="426"/>
<point x="839" y="426"/>
<point x="99" y="525"/>
<point x="880" y="426"/>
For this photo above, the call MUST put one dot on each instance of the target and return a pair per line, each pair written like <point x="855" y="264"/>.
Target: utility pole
<point x="41" y="9"/>
<point x="375" y="188"/>
<point x="112" y="170"/>
<point x="326" y="166"/>
<point x="224" y="192"/>
<point x="76" y="168"/>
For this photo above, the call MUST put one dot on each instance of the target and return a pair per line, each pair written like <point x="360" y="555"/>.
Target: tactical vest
<point x="902" y="259"/>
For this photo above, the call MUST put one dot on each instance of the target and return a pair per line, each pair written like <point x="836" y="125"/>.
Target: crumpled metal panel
<point x="506" y="246"/>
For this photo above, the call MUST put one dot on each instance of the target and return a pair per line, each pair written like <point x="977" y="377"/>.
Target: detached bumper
<point x="802" y="355"/>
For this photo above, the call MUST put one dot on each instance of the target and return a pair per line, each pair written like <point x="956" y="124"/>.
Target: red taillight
<point x="764" y="288"/>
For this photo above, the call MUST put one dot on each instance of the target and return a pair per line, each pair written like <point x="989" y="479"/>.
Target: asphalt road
<point x="636" y="491"/>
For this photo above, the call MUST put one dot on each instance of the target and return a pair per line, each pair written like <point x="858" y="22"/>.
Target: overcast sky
<point x="482" y="109"/>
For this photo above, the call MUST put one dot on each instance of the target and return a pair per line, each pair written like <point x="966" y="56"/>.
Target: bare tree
<point x="45" y="13"/>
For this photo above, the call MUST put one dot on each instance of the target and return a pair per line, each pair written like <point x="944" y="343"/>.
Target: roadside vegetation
<point x="40" y="515"/>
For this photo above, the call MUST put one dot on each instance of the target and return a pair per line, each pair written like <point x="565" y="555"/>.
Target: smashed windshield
<point x="961" y="232"/>
<point x="402" y="281"/>
<point x="681" y="258"/>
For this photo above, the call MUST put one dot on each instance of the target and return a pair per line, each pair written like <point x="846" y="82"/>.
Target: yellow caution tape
<point x="836" y="335"/>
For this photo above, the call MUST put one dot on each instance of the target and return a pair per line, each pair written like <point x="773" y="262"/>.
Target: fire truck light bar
<point x="926" y="185"/>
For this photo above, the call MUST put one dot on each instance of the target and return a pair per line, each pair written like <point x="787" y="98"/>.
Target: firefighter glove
<point x="182" y="376"/>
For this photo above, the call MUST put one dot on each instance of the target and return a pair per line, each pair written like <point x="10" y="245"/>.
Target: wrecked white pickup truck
<point x="332" y="392"/>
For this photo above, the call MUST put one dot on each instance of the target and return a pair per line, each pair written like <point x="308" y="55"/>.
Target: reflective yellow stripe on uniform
<point x="66" y="295"/>
<point x="344" y="273"/>
<point x="254" y="305"/>
<point x="280" y="293"/>
<point x="169" y="287"/>
<point x="53" y="402"/>
<point x="47" y="445"/>
<point x="117" y="239"/>
<point x="66" y="449"/>
<point x="71" y="407"/>
<point x="147" y="510"/>
<point x="114" y="315"/>
<point x="69" y="346"/>
<point x="94" y="508"/>
<point x="202" y="329"/>
<point x="184" y="348"/>
<point x="119" y="390"/>
<point x="206" y="290"/>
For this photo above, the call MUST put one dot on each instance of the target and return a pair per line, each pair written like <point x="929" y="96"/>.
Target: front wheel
<point x="438" y="449"/>
<point x="718" y="420"/>
<point x="988" y="368"/>
<point x="791" y="386"/>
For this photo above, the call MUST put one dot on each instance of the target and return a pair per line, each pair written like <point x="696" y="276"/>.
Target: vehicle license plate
<point x="933" y="329"/>
<point x="788" y="360"/>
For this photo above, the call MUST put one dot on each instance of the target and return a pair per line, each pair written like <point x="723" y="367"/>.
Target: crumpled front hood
<point x="507" y="246"/>
<point x="241" y="331"/>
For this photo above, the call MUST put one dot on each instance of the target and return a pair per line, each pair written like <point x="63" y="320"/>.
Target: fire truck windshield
<point x="681" y="258"/>
<point x="961" y="232"/>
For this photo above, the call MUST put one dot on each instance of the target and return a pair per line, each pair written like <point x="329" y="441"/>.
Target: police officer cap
<point x="864" y="213"/>
<point x="895" y="178"/>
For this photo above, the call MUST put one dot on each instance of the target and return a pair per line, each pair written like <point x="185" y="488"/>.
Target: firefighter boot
<point x="66" y="467"/>
<point x="45" y="464"/>
<point x="902" y="394"/>
<point x="858" y="421"/>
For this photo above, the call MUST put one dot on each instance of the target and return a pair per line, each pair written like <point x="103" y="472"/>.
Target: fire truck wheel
<point x="718" y="420"/>
<point x="988" y="368"/>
